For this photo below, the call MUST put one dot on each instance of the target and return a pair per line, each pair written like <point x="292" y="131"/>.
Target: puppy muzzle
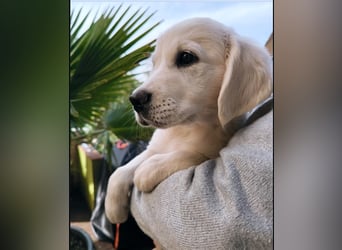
<point x="140" y="100"/>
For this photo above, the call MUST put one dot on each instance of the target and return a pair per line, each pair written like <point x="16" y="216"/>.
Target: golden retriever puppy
<point x="205" y="79"/>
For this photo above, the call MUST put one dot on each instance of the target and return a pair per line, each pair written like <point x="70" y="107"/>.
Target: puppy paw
<point x="146" y="177"/>
<point x="118" y="196"/>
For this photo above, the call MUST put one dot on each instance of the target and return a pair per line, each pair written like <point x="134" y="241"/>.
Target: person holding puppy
<point x="205" y="179"/>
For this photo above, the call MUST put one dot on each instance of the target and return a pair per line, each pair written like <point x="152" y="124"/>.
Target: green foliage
<point x="101" y="59"/>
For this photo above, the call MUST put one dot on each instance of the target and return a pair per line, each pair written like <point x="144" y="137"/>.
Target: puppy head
<point x="193" y="72"/>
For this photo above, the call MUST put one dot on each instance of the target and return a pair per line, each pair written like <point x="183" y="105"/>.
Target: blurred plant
<point x="101" y="61"/>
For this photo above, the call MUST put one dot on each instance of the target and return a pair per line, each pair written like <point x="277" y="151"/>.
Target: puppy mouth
<point x="142" y="121"/>
<point x="152" y="121"/>
<point x="161" y="115"/>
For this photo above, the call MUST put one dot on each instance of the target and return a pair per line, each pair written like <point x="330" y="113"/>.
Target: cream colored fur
<point x="191" y="106"/>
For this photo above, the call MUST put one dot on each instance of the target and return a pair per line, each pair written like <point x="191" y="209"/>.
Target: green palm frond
<point x="101" y="59"/>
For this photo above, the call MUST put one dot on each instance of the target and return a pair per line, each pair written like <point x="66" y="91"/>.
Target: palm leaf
<point x="101" y="59"/>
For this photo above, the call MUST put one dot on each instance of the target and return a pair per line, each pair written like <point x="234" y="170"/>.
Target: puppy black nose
<point x="140" y="100"/>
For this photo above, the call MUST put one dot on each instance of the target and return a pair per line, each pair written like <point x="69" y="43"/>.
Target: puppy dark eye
<point x="186" y="58"/>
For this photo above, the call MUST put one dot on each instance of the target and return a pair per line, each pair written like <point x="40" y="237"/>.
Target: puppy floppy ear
<point x="247" y="80"/>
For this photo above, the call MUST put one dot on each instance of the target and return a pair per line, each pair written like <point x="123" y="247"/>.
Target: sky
<point x="253" y="19"/>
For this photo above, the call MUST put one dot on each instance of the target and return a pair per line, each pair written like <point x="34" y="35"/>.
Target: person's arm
<point x="226" y="203"/>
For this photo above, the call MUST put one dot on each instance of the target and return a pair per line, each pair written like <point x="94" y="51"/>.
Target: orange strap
<point x="117" y="235"/>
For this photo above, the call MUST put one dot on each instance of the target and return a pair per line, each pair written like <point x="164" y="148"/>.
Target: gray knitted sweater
<point x="225" y="203"/>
